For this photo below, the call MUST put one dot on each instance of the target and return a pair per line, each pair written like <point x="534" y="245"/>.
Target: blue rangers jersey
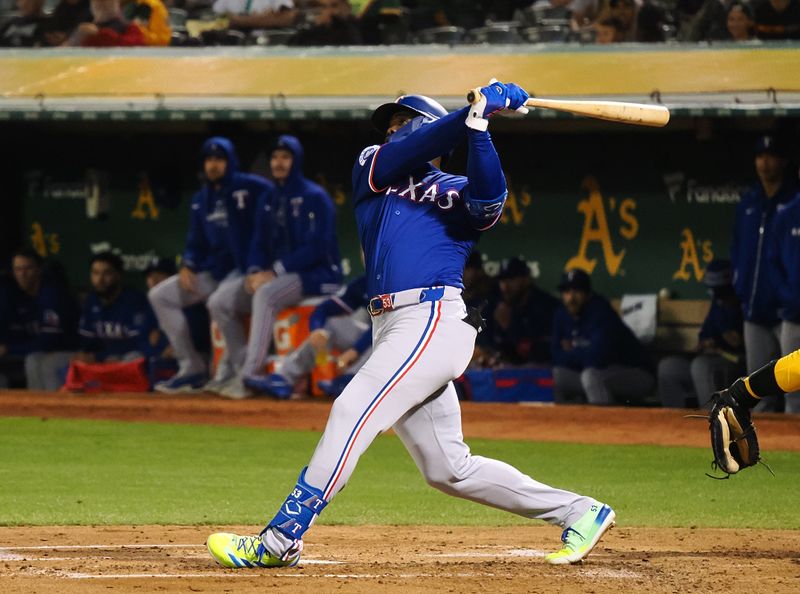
<point x="417" y="224"/>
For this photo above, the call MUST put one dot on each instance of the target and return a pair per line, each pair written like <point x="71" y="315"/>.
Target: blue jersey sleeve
<point x="377" y="167"/>
<point x="347" y="302"/>
<point x="364" y="341"/>
<point x="144" y="323"/>
<point x="195" y="254"/>
<point x="58" y="320"/>
<point x="87" y="340"/>
<point x="260" y="256"/>
<point x="327" y="309"/>
<point x="486" y="191"/>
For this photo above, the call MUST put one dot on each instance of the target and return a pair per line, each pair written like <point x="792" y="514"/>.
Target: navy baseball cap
<point x="575" y="278"/>
<point x="718" y="274"/>
<point x="215" y="149"/>
<point x="770" y="144"/>
<point x="513" y="268"/>
<point x="165" y="265"/>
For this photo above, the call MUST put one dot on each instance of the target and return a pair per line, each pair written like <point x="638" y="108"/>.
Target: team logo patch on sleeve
<point x="366" y="153"/>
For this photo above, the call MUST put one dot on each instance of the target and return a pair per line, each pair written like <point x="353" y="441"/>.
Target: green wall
<point x="642" y="210"/>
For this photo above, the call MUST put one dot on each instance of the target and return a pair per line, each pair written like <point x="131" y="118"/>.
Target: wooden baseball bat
<point x="641" y="114"/>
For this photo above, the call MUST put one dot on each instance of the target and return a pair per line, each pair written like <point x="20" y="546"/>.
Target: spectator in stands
<point x="39" y="323"/>
<point x="519" y="322"/>
<point x="739" y="22"/>
<point x="708" y="23"/>
<point x="108" y="29"/>
<point x="777" y="19"/>
<point x="213" y="267"/>
<point x="28" y="28"/>
<point x="785" y="265"/>
<point x="152" y="18"/>
<point x="752" y="235"/>
<point x="294" y="254"/>
<point x="257" y="14"/>
<point x="67" y="15"/>
<point x="333" y="325"/>
<point x="608" y="30"/>
<point x="720" y="348"/>
<point x="595" y="355"/>
<point x="333" y="24"/>
<point x="639" y="21"/>
<point x="425" y="14"/>
<point x="116" y="321"/>
<point x="581" y="13"/>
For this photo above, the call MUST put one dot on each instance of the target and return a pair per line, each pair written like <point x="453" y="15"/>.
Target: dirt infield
<point x="400" y="559"/>
<point x="575" y="424"/>
<point x="403" y="559"/>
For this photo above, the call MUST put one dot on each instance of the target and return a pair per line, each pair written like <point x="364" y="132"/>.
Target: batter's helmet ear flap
<point x="418" y="104"/>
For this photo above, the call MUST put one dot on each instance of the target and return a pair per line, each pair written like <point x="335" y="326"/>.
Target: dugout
<point x="101" y="150"/>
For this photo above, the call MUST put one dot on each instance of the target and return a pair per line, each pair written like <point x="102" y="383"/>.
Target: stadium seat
<point x="444" y="35"/>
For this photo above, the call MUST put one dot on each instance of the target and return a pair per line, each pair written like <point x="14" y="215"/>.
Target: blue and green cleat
<point x="580" y="538"/>
<point x="234" y="551"/>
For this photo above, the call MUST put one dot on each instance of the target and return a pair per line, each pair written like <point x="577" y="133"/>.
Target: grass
<point x="102" y="472"/>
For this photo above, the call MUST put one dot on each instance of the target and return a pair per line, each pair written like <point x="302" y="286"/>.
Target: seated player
<point x="720" y="348"/>
<point x="39" y="324"/>
<point x="595" y="355"/>
<point x="332" y="325"/>
<point x="294" y="254"/>
<point x="116" y="321"/>
<point x="519" y="321"/>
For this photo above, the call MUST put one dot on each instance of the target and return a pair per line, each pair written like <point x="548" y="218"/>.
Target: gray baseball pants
<point x="168" y="300"/>
<point x="680" y="379"/>
<point x="762" y="344"/>
<point x="344" y="331"/>
<point x="615" y="384"/>
<point x="790" y="342"/>
<point x="232" y="302"/>
<point x="44" y="371"/>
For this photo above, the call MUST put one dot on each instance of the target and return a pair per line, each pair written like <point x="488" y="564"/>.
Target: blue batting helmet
<point x="421" y="105"/>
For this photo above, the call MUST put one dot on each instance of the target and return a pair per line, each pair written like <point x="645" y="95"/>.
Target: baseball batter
<point x="417" y="226"/>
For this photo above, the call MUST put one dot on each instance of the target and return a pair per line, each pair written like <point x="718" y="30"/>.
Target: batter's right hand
<point x="496" y="97"/>
<point x="187" y="280"/>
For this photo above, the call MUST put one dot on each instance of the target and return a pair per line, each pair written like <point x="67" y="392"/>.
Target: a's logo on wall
<point x="690" y="257"/>
<point x="597" y="229"/>
<point x="45" y="244"/>
<point x="517" y="204"/>
<point x="146" y="203"/>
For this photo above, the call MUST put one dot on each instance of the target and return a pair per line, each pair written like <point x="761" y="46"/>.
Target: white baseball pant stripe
<point x="409" y="387"/>
<point x="408" y="364"/>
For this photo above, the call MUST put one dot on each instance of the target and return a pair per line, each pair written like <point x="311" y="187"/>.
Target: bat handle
<point x="474" y="96"/>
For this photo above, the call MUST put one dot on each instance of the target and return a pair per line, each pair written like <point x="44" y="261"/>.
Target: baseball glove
<point x="733" y="435"/>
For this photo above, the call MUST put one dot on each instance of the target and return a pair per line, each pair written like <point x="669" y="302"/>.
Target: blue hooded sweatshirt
<point x="598" y="338"/>
<point x="296" y="229"/>
<point x="221" y="223"/>
<point x="752" y="236"/>
<point x="785" y="259"/>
